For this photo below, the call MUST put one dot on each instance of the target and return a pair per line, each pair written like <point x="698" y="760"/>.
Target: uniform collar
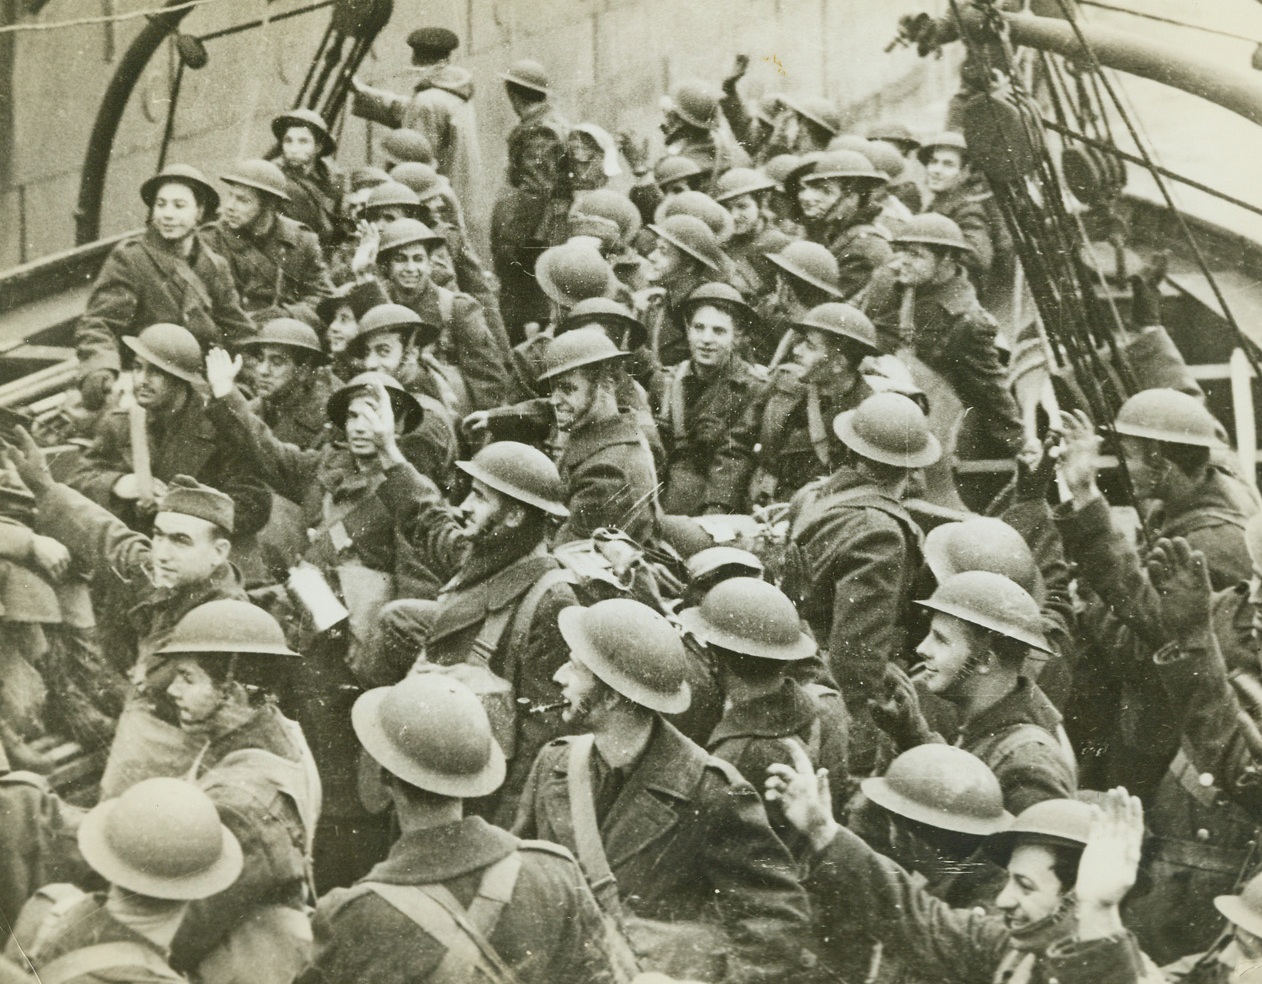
<point x="439" y="854"/>
<point x="1024" y="704"/>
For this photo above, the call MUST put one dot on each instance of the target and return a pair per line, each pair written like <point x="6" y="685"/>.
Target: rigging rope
<point x="104" y="19"/>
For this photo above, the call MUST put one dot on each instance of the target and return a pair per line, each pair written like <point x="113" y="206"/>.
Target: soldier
<point x="686" y="256"/>
<point x="503" y="593"/>
<point x="151" y="584"/>
<point x="605" y="462"/>
<point x="166" y="275"/>
<point x="700" y="206"/>
<point x="440" y="108"/>
<point x="837" y="199"/>
<point x="160" y="847"/>
<point x="753" y="636"/>
<point x="457" y="899"/>
<point x="291" y="385"/>
<point x="276" y="263"/>
<point x="528" y="205"/>
<point x="784" y="434"/>
<point x="806" y="123"/>
<point x="806" y="276"/>
<point x="955" y="193"/>
<point x="741" y="191"/>
<point x="340" y="312"/>
<point x="314" y="184"/>
<point x="1069" y="866"/>
<point x="167" y="379"/>
<point x="735" y="892"/>
<point x="1239" y="961"/>
<point x="855" y="553"/>
<point x="981" y="633"/>
<point x="229" y="661"/>
<point x="398" y="262"/>
<point x="697" y="401"/>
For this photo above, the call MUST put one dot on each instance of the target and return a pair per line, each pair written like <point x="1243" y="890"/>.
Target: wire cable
<point x="104" y="19"/>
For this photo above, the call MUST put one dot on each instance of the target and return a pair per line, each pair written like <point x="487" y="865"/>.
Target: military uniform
<point x="549" y="932"/>
<point x="686" y="839"/>
<point x="664" y="318"/>
<point x="754" y="275"/>
<point x="296" y="415"/>
<point x="859" y="248"/>
<point x="315" y="196"/>
<point x="610" y="479"/>
<point x="144" y="282"/>
<point x="694" y="416"/>
<point x="275" y="267"/>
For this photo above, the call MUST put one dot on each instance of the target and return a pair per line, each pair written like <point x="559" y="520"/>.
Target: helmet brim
<point x="843" y="427"/>
<point x="474" y="470"/>
<point x="1034" y="640"/>
<point x="257" y="186"/>
<point x="321" y="356"/>
<point x="1167" y="436"/>
<point x="709" y="262"/>
<point x="1234" y="909"/>
<point x="575" y="634"/>
<point x="581" y="361"/>
<point x="880" y="792"/>
<point x="284" y="121"/>
<point x="134" y="343"/>
<point x="203" y="191"/>
<point x="406" y="407"/>
<point x="795" y="271"/>
<point x="804" y="647"/>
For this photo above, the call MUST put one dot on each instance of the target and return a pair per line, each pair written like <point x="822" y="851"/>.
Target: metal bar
<point x="250" y="25"/>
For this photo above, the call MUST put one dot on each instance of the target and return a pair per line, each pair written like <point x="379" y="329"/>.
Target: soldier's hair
<point x="751" y="669"/>
<point x="1190" y="459"/>
<point x="1009" y="652"/>
<point x="806" y="294"/>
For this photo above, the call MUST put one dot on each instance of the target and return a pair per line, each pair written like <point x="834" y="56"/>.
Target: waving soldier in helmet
<point x="1069" y="865"/>
<point x="642" y="807"/>
<point x="160" y="847"/>
<point x="855" y="553"/>
<point x="168" y="275"/>
<point x="314" y="183"/>
<point x="276" y="262"/>
<point x="230" y="661"/>
<point x="698" y="400"/>
<point x="168" y="376"/>
<point x="528" y="914"/>
<point x="753" y="636"/>
<point x="980" y="637"/>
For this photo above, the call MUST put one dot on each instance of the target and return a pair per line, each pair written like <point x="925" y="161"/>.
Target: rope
<point x="107" y="19"/>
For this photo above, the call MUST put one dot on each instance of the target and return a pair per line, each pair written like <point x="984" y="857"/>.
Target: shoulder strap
<point x="446" y="304"/>
<point x="186" y="274"/>
<point x="487" y="644"/>
<point x="494" y="892"/>
<point x="676" y="404"/>
<point x="587" y="843"/>
<point x="1203" y="518"/>
<point x="816" y="428"/>
<point x="105" y="956"/>
<point x="435" y="911"/>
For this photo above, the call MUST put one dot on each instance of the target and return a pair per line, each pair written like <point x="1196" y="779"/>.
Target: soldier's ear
<point x="514" y="515"/>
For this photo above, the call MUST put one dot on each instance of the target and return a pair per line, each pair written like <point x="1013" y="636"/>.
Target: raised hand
<point x="379" y="417"/>
<point x="898" y="713"/>
<point x="1181" y="579"/>
<point x="1109" y="865"/>
<point x="28" y="460"/>
<point x="804" y="795"/>
<point x="222" y="370"/>
<point x="1079" y="453"/>
<point x="364" y="261"/>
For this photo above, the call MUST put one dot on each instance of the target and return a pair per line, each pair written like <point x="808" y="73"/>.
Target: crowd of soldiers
<point x="624" y="606"/>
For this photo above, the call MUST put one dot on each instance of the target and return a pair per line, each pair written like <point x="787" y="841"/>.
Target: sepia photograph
<point x="630" y="492"/>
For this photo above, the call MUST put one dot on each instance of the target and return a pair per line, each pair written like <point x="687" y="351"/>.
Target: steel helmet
<point x="694" y="237"/>
<point x="391" y="317"/>
<point x="406" y="232"/>
<point x="186" y="175"/>
<point x="811" y="263"/>
<point x="891" y="429"/>
<point x="842" y="320"/>
<point x="749" y="616"/>
<point x="606" y="233"/>
<point x="847" y="164"/>
<point x="407" y="409"/>
<point x="723" y="296"/>
<point x="613" y="205"/>
<point x="407" y="145"/>
<point x="695" y="102"/>
<point x="288" y="333"/>
<point x="886" y="159"/>
<point x="740" y="181"/>
<point x="528" y="74"/>
<point x="944" y="787"/>
<point x="850" y="141"/>
<point x="894" y="133"/>
<point x="421" y="178"/>
<point x="699" y="205"/>
<point x="431" y="731"/>
<point x="993" y="602"/>
<point x="803" y="165"/>
<point x="260" y="175"/>
<point x="520" y="472"/>
<point x="392" y="194"/>
<point x="1052" y="822"/>
<point x="817" y="109"/>
<point x="572" y="272"/>
<point x="932" y="229"/>
<point x="950" y="140"/>
<point x="779" y="168"/>
<point x="368" y="177"/>
<point x="714" y="561"/>
<point x="171" y="348"/>
<point x="631" y="648"/>
<point x="981" y="543"/>
<point x="227" y="625"/>
<point x="161" y="838"/>
<point x="675" y="167"/>
<point x="1244" y="910"/>
<point x="578" y="348"/>
<point x="313" y="121"/>
<point x="610" y="313"/>
<point x="1171" y="416"/>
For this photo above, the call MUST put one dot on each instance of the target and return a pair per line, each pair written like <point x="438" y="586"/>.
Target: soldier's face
<point x="945" y="170"/>
<point x="153" y="388"/>
<point x="341" y="329"/>
<point x="579" y="689"/>
<point x="812" y="350"/>
<point x="1032" y="891"/>
<point x="298" y="146"/>
<point x="818" y="199"/>
<point x="175" y="214"/>
<point x="744" y="212"/>
<point x="185" y="550"/>
<point x="482" y="510"/>
<point x="572" y="396"/>
<point x="1147" y="468"/>
<point x="274" y="369"/>
<point x="665" y="261"/>
<point x="384" y="353"/>
<point x="410" y="267"/>
<point x="442" y="268"/>
<point x="240" y="207"/>
<point x="196" y="696"/>
<point x="914" y="265"/>
<point x="359" y="432"/>
<point x="711" y="337"/>
<point x="947" y="652"/>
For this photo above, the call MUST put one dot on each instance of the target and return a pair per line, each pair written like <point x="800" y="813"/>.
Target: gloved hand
<point x="898" y="714"/>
